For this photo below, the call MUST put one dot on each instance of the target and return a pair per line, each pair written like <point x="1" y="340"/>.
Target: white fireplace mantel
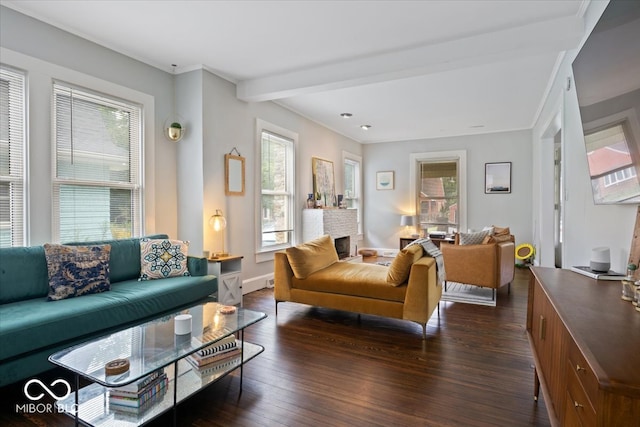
<point x="334" y="222"/>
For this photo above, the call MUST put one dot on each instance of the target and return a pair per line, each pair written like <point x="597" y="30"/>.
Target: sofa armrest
<point x="423" y="292"/>
<point x="197" y="266"/>
<point x="282" y="277"/>
<point x="506" y="262"/>
<point x="474" y="264"/>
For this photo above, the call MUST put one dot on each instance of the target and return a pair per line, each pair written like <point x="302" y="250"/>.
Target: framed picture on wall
<point x="384" y="180"/>
<point x="323" y="181"/>
<point x="497" y="178"/>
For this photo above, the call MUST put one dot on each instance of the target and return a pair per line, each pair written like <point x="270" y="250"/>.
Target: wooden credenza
<point x="586" y="346"/>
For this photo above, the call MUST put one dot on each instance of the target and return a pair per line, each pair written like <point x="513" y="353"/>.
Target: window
<point x="438" y="198"/>
<point x="97" y="191"/>
<point x="438" y="191"/>
<point x="277" y="193"/>
<point x="611" y="165"/>
<point x="12" y="146"/>
<point x="352" y="186"/>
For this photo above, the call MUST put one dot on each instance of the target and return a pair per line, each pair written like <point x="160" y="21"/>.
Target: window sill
<point x="268" y="254"/>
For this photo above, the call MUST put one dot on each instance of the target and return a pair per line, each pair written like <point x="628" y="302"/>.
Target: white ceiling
<point x="411" y="69"/>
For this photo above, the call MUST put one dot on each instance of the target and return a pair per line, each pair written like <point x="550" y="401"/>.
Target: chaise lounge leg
<point x="493" y="294"/>
<point x="277" y="307"/>
<point x="424" y="331"/>
<point x="509" y="289"/>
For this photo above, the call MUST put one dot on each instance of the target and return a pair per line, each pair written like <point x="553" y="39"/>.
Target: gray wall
<point x="58" y="54"/>
<point x="383" y="208"/>
<point x="227" y="123"/>
<point x="186" y="180"/>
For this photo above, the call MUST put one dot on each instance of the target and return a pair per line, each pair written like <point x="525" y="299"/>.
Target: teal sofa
<point x="32" y="328"/>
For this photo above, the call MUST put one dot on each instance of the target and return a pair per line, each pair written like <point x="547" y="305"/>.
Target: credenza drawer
<point x="578" y="404"/>
<point x="583" y="372"/>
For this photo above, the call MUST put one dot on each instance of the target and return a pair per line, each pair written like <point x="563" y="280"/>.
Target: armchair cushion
<point x="474" y="238"/>
<point x="501" y="231"/>
<point x="312" y="256"/>
<point x="497" y="239"/>
<point x="401" y="265"/>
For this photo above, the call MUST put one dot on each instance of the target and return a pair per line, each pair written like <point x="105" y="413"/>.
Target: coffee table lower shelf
<point x="93" y="400"/>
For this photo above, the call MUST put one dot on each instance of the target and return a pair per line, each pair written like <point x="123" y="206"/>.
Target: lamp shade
<point x="406" y="220"/>
<point x="217" y="221"/>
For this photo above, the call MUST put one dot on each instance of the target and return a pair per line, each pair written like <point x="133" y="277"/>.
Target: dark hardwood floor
<point x="324" y="367"/>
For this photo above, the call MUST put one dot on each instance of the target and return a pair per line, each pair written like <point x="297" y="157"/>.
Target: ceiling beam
<point x="547" y="36"/>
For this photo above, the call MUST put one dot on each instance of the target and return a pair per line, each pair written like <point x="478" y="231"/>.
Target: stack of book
<point x="138" y="394"/>
<point x="220" y="350"/>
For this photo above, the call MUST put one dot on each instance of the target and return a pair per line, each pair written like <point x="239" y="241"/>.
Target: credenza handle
<point x="577" y="405"/>
<point x="541" y="330"/>
<point x="580" y="368"/>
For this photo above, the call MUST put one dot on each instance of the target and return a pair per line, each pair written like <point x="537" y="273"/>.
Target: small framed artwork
<point x="384" y="180"/>
<point x="497" y="178"/>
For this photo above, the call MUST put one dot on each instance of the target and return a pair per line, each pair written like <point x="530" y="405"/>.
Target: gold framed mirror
<point x="233" y="175"/>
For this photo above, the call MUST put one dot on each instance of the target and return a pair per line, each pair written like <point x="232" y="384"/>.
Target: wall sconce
<point x="407" y="221"/>
<point x="174" y="128"/>
<point x="218" y="223"/>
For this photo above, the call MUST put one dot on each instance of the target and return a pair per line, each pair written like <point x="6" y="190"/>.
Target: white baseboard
<point x="256" y="283"/>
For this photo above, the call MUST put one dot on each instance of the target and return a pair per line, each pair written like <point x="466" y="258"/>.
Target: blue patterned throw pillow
<point x="162" y="258"/>
<point x="77" y="270"/>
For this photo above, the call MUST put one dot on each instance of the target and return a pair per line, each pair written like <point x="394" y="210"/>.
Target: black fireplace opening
<point x="343" y="246"/>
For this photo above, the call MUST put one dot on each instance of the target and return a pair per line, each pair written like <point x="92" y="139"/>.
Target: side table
<point x="228" y="270"/>
<point x="404" y="241"/>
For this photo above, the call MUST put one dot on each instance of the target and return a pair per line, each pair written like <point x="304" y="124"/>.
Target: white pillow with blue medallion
<point x="163" y="258"/>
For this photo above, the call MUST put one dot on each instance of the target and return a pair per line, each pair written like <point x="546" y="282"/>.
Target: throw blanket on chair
<point x="434" y="252"/>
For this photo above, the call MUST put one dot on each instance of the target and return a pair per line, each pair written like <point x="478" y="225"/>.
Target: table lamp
<point x="407" y="221"/>
<point x="218" y="223"/>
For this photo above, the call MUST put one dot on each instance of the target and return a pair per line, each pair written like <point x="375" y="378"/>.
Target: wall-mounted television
<point x="607" y="81"/>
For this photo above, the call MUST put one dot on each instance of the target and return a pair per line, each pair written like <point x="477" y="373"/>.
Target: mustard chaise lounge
<point x="311" y="274"/>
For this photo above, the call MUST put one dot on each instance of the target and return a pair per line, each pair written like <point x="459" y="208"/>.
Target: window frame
<point x="265" y="253"/>
<point x="355" y="160"/>
<point x="136" y="158"/>
<point x="459" y="156"/>
<point x="16" y="146"/>
<point x="630" y="125"/>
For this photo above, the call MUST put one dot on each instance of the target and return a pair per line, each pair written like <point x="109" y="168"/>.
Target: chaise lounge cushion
<point x="354" y="279"/>
<point x="401" y="265"/>
<point x="307" y="258"/>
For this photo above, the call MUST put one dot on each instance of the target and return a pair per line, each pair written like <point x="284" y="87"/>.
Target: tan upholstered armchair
<point x="490" y="265"/>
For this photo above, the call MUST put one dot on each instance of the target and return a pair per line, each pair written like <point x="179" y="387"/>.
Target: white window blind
<point x="12" y="159"/>
<point x="277" y="191"/>
<point x="97" y="191"/>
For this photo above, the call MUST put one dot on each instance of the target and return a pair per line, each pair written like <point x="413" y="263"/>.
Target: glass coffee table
<point x="151" y="347"/>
